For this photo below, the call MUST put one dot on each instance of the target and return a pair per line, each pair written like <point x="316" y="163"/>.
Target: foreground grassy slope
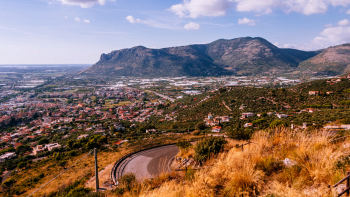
<point x="316" y="162"/>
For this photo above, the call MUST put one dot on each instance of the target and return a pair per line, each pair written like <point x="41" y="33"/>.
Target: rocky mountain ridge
<point x="240" y="56"/>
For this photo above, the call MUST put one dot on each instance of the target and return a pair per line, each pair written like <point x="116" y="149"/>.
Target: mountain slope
<point x="241" y="56"/>
<point x="254" y="56"/>
<point x="332" y="61"/>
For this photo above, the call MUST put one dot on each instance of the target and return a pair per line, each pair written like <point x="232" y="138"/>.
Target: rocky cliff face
<point x="241" y="56"/>
<point x="332" y="61"/>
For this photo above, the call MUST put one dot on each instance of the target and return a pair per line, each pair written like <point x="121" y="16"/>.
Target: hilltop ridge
<point x="240" y="56"/>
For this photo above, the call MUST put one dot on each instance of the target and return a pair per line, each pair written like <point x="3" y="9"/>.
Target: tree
<point x="200" y="126"/>
<point x="70" y="144"/>
<point x="174" y="126"/>
<point x="43" y="141"/>
<point x="57" y="156"/>
<point x="77" y="145"/>
<point x="62" y="163"/>
<point x="22" y="164"/>
<point x="9" y="182"/>
<point x="21" y="149"/>
<point x="277" y="123"/>
<point x="142" y="129"/>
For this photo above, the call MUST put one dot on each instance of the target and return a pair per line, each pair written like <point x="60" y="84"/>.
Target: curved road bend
<point x="149" y="163"/>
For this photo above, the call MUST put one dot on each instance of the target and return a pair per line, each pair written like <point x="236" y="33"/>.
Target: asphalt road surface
<point x="149" y="163"/>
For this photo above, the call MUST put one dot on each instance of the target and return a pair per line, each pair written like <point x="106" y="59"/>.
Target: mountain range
<point x="240" y="56"/>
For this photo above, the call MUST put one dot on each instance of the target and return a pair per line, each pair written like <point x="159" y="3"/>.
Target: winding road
<point x="148" y="163"/>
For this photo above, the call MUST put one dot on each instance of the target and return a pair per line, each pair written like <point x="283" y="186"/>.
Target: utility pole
<point x="96" y="169"/>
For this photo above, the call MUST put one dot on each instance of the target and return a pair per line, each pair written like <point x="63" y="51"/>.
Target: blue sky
<point x="79" y="31"/>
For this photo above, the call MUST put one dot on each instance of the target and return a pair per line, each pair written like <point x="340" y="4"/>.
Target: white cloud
<point x="77" y="19"/>
<point x="333" y="36"/>
<point x="348" y="12"/>
<point x="66" y="17"/>
<point x="330" y="36"/>
<point x="344" y="22"/>
<point x="196" y="8"/>
<point x="259" y="6"/>
<point x="150" y="22"/>
<point x="247" y="21"/>
<point x="86" y="21"/>
<point x="84" y="3"/>
<point x="131" y="19"/>
<point x="192" y="25"/>
<point x="306" y="7"/>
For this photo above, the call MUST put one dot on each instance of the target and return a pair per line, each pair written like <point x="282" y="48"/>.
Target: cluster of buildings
<point x="120" y="93"/>
<point x="42" y="148"/>
<point x="213" y="121"/>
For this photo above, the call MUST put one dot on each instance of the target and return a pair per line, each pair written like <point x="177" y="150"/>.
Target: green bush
<point x="9" y="182"/>
<point x="79" y="191"/>
<point x="200" y="126"/>
<point x="72" y="153"/>
<point x="22" y="164"/>
<point x="127" y="181"/>
<point x="277" y="123"/>
<point x="269" y="165"/>
<point x="240" y="134"/>
<point x="183" y="144"/>
<point x="207" y="147"/>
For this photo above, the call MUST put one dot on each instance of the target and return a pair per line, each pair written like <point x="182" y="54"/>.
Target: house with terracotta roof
<point x="216" y="129"/>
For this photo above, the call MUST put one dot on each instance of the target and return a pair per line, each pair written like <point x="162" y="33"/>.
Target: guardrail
<point x="114" y="178"/>
<point x="347" y="179"/>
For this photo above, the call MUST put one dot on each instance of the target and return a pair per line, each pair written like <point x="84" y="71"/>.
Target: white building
<point x="7" y="156"/>
<point x="247" y="114"/>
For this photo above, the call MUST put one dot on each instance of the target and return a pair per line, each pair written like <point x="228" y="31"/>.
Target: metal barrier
<point x="114" y="178"/>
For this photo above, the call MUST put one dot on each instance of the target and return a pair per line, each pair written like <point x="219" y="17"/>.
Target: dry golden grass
<point x="183" y="153"/>
<point x="84" y="168"/>
<point x="259" y="170"/>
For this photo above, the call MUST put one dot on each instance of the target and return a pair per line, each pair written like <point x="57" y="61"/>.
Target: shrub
<point x="200" y="126"/>
<point x="79" y="191"/>
<point x="240" y="134"/>
<point x="269" y="165"/>
<point x="22" y="164"/>
<point x="277" y="123"/>
<point x="207" y="147"/>
<point x="183" y="144"/>
<point x="62" y="163"/>
<point x="9" y="182"/>
<point x="128" y="181"/>
<point x="72" y="153"/>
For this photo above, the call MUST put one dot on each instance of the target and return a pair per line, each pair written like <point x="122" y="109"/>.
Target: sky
<point x="79" y="31"/>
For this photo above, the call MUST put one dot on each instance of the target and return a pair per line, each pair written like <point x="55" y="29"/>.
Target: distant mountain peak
<point x="239" y="56"/>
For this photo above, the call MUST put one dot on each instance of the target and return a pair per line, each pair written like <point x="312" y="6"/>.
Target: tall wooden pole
<point x="347" y="183"/>
<point x="96" y="170"/>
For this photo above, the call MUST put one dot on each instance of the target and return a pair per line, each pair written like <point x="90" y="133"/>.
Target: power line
<point x="61" y="173"/>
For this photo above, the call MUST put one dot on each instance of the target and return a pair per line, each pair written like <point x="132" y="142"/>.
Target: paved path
<point x="148" y="163"/>
<point x="5" y="176"/>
